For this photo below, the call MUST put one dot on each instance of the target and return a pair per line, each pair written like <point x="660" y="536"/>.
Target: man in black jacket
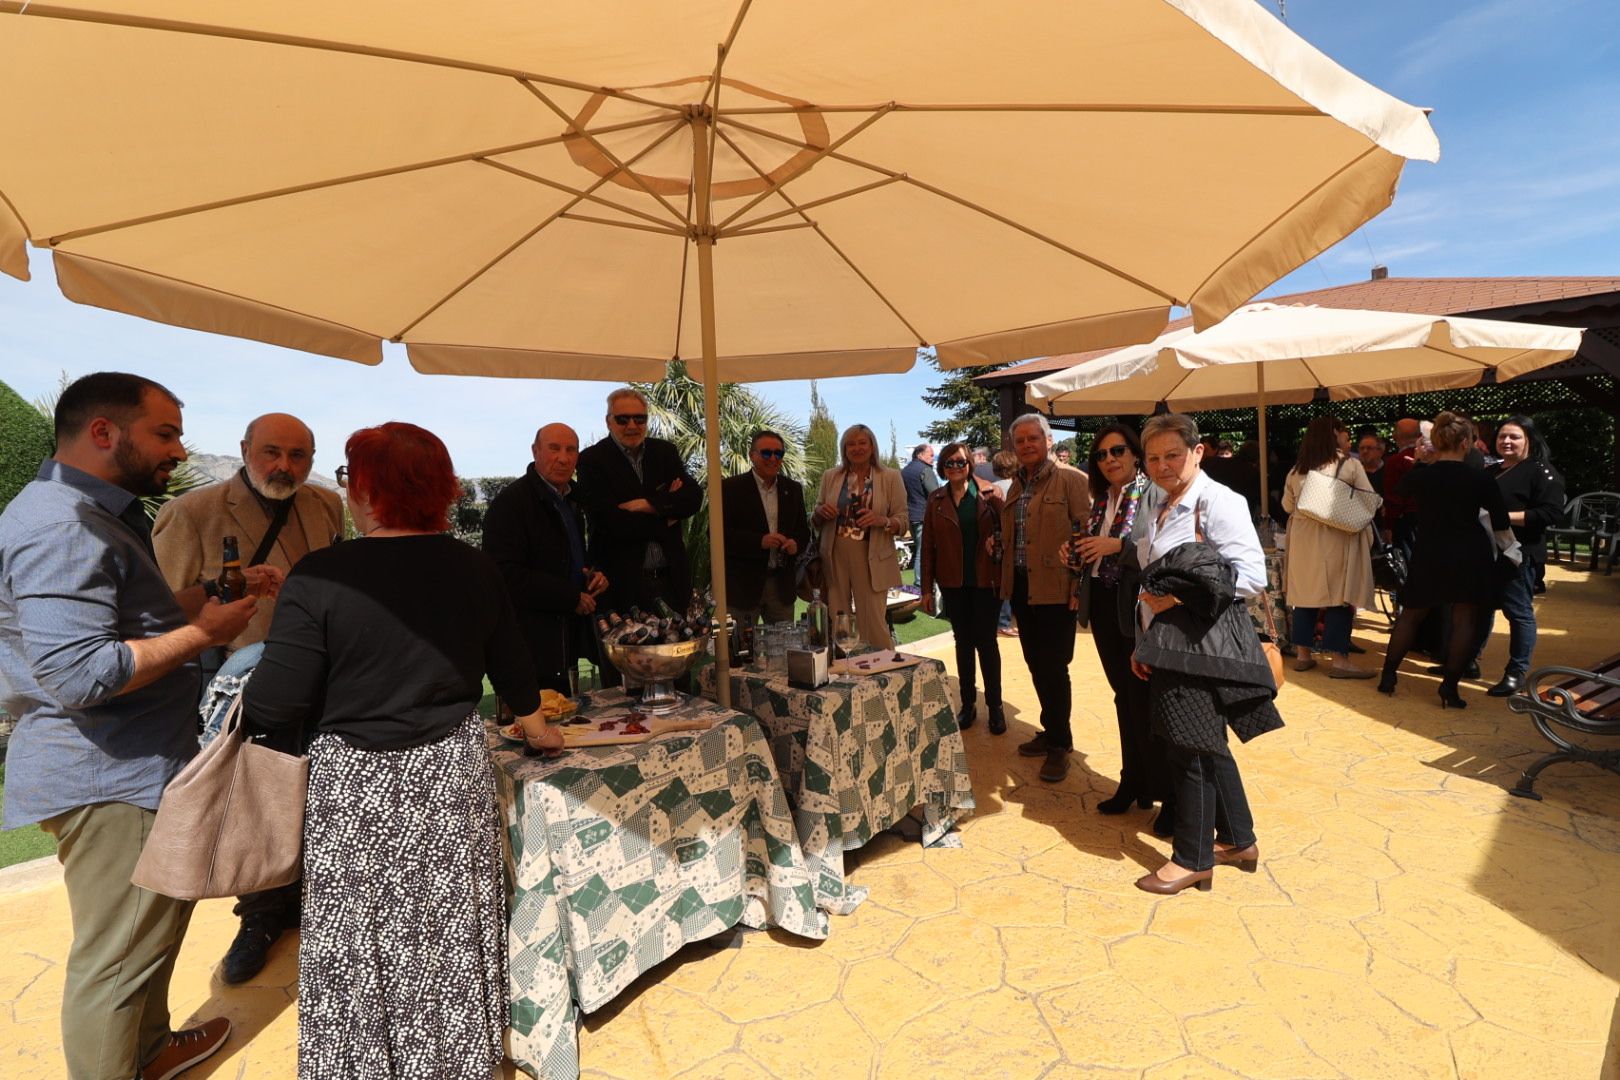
<point x="636" y="492"/>
<point x="766" y="528"/>
<point x="535" y="532"/>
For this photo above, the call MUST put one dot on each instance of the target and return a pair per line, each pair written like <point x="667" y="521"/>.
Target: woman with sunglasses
<point x="1117" y="485"/>
<point x="861" y="509"/>
<point x="961" y="538"/>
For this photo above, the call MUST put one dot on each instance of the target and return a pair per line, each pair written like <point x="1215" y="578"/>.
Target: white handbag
<point x="1337" y="503"/>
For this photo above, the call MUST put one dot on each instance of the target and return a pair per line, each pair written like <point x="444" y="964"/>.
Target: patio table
<point x="619" y="855"/>
<point x="856" y="756"/>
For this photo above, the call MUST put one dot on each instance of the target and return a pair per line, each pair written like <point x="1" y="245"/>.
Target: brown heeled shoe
<point x="1245" y="859"/>
<point x="1204" y="880"/>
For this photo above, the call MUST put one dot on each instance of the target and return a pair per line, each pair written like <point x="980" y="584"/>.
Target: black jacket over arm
<point x="618" y="538"/>
<point x="745" y="524"/>
<point x="525" y="536"/>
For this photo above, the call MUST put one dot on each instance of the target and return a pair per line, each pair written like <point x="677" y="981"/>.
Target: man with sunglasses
<point x="637" y="492"/>
<point x="766" y="528"/>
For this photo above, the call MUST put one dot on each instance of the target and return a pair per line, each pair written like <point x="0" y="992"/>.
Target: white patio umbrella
<point x="1267" y="354"/>
<point x="589" y="190"/>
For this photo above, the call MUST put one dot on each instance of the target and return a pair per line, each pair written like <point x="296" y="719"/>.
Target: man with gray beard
<point x="277" y="519"/>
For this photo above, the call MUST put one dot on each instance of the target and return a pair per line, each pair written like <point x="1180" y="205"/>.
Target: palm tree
<point x="675" y="405"/>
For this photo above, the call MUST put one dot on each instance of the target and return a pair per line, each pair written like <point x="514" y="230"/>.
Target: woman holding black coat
<point x="961" y="529"/>
<point x="1117" y="486"/>
<point x="1533" y="493"/>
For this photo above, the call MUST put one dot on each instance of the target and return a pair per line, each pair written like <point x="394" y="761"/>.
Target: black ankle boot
<point x="964" y="719"/>
<point x="1449" y="698"/>
<point x="1120" y="801"/>
<point x="998" y="720"/>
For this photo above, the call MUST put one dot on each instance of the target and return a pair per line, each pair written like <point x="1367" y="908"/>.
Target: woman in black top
<point x="1533" y="492"/>
<point x="379" y="646"/>
<point x="1454" y="559"/>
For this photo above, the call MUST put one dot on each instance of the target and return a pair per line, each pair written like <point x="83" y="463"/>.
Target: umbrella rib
<point x="752" y="226"/>
<point x="317" y="185"/>
<point x="975" y="207"/>
<point x="686" y="258"/>
<point x="773" y="228"/>
<point x="720" y="62"/>
<point x="264" y="37"/>
<point x="1357" y="160"/>
<point x="775" y="185"/>
<point x="1060" y="107"/>
<point x="921" y="341"/>
<point x="559" y="186"/>
<point x="664" y="230"/>
<point x="604" y="151"/>
<point x="526" y="237"/>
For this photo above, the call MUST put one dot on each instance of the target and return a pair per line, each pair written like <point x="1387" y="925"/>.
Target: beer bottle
<point x="232" y="582"/>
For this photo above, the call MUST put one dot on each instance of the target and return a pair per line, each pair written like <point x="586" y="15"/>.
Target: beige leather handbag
<point x="231" y="823"/>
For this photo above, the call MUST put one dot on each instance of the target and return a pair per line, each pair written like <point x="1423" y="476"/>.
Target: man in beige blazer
<point x="278" y="452"/>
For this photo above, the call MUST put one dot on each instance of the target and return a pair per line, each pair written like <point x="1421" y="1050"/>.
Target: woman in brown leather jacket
<point x="961" y="540"/>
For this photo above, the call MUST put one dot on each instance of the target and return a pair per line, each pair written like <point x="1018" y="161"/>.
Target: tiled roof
<point x="1426" y="296"/>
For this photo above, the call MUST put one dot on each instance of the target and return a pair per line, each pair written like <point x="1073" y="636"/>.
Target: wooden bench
<point x="1586" y="702"/>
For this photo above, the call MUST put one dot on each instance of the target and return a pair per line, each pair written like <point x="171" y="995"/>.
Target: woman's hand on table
<point x="541" y="735"/>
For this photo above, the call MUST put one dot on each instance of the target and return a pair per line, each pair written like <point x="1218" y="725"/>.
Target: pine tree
<point x="893" y="458"/>
<point x="973" y="413"/>
<point x="821" y="440"/>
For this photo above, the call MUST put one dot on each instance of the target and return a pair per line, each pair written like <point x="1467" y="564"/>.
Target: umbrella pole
<point x="703" y="237"/>
<point x="1265" y="447"/>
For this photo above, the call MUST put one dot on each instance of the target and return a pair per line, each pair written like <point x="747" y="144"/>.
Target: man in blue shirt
<point x="97" y="662"/>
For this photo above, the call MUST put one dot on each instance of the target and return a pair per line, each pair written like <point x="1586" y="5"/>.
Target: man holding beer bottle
<point x="266" y="515"/>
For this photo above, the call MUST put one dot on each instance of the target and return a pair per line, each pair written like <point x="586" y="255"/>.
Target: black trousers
<point x="1210" y="806"/>
<point x="972" y="613"/>
<point x="1046" y="633"/>
<point x="1144" y="769"/>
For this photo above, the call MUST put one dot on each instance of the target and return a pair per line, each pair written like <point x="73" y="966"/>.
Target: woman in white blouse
<point x="1213" y="824"/>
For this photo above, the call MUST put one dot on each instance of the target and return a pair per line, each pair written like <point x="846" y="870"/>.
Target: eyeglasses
<point x="626" y="419"/>
<point x="956" y="463"/>
<point x="771" y="453"/>
<point x="342" y="476"/>
<point x="1113" y="451"/>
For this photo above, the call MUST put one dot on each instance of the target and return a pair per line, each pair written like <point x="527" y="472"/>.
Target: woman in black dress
<point x="381" y="646"/>
<point x="1454" y="558"/>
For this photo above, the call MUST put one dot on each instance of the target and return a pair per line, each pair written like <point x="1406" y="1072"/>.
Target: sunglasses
<point x="956" y="463"/>
<point x="342" y="476"/>
<point x="1113" y="451"/>
<point x="626" y="419"/>
<point x="771" y="453"/>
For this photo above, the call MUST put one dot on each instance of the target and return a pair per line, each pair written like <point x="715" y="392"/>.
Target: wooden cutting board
<point x="874" y="663"/>
<point x="607" y="728"/>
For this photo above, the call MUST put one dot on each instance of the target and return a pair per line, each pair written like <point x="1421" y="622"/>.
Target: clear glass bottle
<point x="817" y="623"/>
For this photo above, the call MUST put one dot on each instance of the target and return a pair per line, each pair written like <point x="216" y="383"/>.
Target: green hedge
<point x="25" y="441"/>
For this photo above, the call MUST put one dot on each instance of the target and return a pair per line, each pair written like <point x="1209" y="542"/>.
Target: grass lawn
<point x="21" y="845"/>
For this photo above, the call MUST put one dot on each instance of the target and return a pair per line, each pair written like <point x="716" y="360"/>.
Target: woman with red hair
<point x="378" y="649"/>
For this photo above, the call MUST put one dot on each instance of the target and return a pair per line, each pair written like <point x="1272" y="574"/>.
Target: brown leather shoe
<point x="187" y="1048"/>
<point x="1056" y="766"/>
<point x="1245" y="859"/>
<point x="1204" y="880"/>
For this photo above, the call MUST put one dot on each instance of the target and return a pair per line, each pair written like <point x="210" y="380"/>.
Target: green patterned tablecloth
<point x="620" y="855"/>
<point x="856" y="756"/>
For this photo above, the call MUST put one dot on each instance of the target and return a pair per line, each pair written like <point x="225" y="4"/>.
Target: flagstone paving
<point x="1410" y="919"/>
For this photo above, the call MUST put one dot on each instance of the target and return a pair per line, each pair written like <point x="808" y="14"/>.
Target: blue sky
<point x="1526" y="100"/>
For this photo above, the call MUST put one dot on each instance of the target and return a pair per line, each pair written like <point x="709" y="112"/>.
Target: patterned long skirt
<point x="402" y="964"/>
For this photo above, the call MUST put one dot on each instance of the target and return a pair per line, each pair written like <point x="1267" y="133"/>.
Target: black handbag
<point x="1388" y="566"/>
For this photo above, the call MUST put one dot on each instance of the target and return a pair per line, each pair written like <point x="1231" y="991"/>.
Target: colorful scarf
<point x="1124" y="518"/>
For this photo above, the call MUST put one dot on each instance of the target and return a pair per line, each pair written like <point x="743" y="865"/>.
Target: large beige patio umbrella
<point x="591" y="189"/>
<point x="1268" y="354"/>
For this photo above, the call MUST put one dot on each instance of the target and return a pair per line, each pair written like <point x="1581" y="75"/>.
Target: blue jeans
<point x="1335" y="628"/>
<point x="1517" y="603"/>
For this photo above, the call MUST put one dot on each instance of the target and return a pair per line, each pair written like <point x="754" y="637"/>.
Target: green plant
<point x="973" y="411"/>
<point x="26" y="439"/>
<point x="821" y="439"/>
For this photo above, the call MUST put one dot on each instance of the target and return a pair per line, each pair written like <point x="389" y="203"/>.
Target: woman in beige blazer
<point x="1329" y="571"/>
<point x="861" y="509"/>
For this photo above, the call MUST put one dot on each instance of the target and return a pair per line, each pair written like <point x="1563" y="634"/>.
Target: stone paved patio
<point x="1410" y="919"/>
